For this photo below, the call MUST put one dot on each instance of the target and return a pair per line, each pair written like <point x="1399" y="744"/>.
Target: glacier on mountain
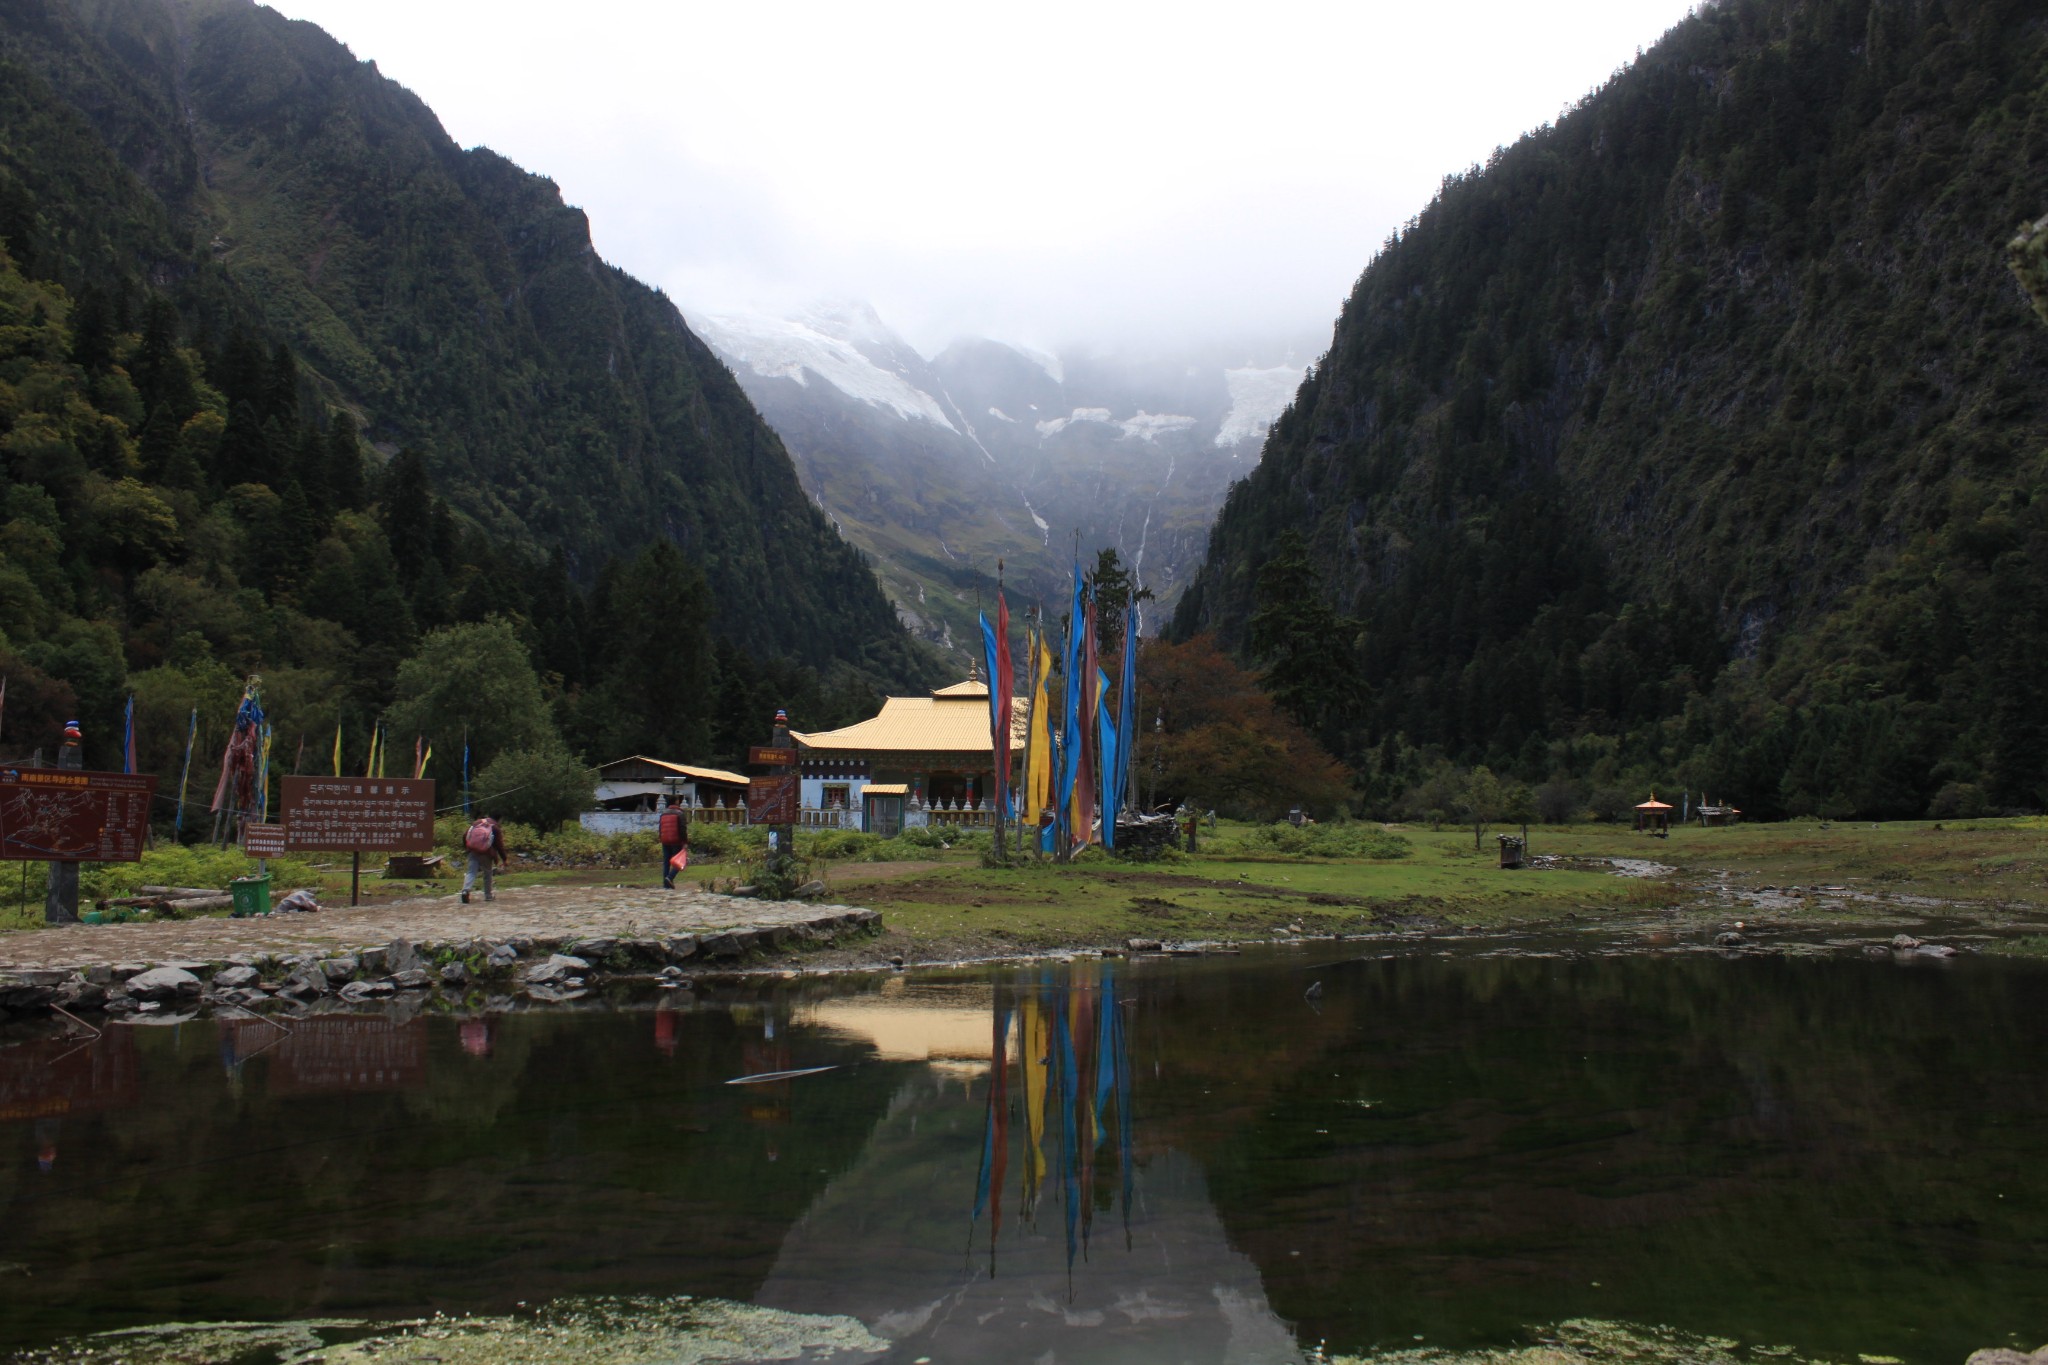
<point x="1257" y="398"/>
<point x="1149" y="426"/>
<point x="778" y="348"/>
<point x="1054" y="426"/>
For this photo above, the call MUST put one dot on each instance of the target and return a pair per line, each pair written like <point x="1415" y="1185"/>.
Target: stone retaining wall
<point x="545" y="942"/>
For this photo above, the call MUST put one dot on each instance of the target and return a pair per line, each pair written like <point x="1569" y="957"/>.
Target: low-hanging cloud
<point x="1101" y="175"/>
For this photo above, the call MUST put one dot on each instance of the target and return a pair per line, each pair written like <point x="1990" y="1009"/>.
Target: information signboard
<point x="263" y="841"/>
<point x="65" y="815"/>
<point x="765" y="756"/>
<point x="772" y="800"/>
<point x="372" y="814"/>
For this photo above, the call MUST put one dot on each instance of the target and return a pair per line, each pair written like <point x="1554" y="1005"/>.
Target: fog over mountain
<point x="940" y="467"/>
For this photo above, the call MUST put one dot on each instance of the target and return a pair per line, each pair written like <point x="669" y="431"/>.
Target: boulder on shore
<point x="163" y="983"/>
<point x="558" y="969"/>
<point x="2002" y="1355"/>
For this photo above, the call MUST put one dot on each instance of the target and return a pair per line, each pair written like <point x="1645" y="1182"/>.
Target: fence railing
<point x="624" y="822"/>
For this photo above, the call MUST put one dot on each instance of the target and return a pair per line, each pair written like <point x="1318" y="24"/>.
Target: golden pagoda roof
<point x="951" y="720"/>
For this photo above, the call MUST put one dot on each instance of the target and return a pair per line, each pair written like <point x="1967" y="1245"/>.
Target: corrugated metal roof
<point x="953" y="723"/>
<point x="683" y="769"/>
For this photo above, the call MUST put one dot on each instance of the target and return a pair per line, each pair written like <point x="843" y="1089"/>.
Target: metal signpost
<point x="350" y="814"/>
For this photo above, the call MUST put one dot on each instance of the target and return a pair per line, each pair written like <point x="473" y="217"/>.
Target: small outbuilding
<point x="631" y="791"/>
<point x="1713" y="817"/>
<point x="1654" y="816"/>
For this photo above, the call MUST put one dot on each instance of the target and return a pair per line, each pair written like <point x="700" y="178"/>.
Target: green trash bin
<point x="252" y="896"/>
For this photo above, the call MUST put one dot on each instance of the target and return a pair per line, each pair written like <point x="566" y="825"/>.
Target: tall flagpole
<point x="191" y="734"/>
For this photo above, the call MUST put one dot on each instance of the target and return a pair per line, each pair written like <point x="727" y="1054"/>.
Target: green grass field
<point x="1245" y="884"/>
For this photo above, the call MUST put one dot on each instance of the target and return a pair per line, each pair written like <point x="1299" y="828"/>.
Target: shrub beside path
<point x="539" y="913"/>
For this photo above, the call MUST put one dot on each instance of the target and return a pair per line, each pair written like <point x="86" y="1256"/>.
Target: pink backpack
<point x="480" y="837"/>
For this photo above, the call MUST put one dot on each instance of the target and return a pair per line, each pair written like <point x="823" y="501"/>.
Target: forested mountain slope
<point x="261" y="178"/>
<point x="1701" y="435"/>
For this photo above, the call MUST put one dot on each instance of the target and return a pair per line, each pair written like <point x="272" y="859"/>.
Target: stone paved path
<point x="560" y="913"/>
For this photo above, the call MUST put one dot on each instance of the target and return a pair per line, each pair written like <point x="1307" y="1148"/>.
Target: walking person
<point x="674" y="829"/>
<point x="485" y="843"/>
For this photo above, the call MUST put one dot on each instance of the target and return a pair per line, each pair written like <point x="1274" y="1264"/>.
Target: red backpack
<point x="480" y="838"/>
<point x="671" y="826"/>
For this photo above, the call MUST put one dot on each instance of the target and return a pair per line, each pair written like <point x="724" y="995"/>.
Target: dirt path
<point x="539" y="912"/>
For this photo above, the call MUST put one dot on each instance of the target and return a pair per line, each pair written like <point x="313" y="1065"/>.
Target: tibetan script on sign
<point x="384" y="814"/>
<point x="772" y="800"/>
<point x="62" y="815"/>
<point x="764" y="756"/>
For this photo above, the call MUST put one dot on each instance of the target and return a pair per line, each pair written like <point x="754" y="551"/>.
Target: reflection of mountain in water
<point x="1015" y="1255"/>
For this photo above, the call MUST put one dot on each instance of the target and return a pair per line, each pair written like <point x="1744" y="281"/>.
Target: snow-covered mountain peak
<point x="850" y="320"/>
<point x="785" y="348"/>
<point x="1055" y="369"/>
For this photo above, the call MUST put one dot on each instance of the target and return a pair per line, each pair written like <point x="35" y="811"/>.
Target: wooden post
<point x="60" y="902"/>
<point x="785" y="834"/>
<point x="355" y="876"/>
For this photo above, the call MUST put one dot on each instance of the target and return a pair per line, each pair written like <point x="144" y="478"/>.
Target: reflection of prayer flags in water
<point x="1070" y="1165"/>
<point x="995" y="1141"/>
<point x="1035" y="1040"/>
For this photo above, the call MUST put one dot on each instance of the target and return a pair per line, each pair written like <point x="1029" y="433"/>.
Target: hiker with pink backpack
<point x="485" y="843"/>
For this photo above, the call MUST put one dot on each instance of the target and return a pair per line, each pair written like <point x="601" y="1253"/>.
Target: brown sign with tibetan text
<point x="374" y="814"/>
<point x="64" y="815"/>
<point x="763" y="756"/>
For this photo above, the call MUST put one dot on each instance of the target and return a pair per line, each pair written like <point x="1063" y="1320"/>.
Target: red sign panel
<point x="384" y="814"/>
<point x="63" y="815"/>
<point x="772" y="800"/>
<point x="761" y="756"/>
<point x="263" y="841"/>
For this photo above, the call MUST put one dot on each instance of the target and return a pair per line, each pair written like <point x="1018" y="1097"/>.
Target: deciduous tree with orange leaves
<point x="1221" y="743"/>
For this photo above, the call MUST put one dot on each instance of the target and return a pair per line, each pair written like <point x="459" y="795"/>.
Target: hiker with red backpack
<point x="485" y="843"/>
<point x="674" y="829"/>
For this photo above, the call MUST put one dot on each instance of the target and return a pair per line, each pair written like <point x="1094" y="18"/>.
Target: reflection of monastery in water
<point x="334" y="1052"/>
<point x="63" y="1077"/>
<point x="972" y="1227"/>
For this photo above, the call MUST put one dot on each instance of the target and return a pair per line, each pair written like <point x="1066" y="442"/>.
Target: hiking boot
<point x="465" y="898"/>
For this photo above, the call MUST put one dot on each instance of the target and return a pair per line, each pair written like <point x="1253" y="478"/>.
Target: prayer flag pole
<point x="185" y="778"/>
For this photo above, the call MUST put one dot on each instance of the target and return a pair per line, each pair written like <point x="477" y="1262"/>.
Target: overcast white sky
<point x="1096" y="174"/>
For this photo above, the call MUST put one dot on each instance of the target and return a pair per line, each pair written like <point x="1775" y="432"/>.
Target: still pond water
<point x="1172" y="1160"/>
